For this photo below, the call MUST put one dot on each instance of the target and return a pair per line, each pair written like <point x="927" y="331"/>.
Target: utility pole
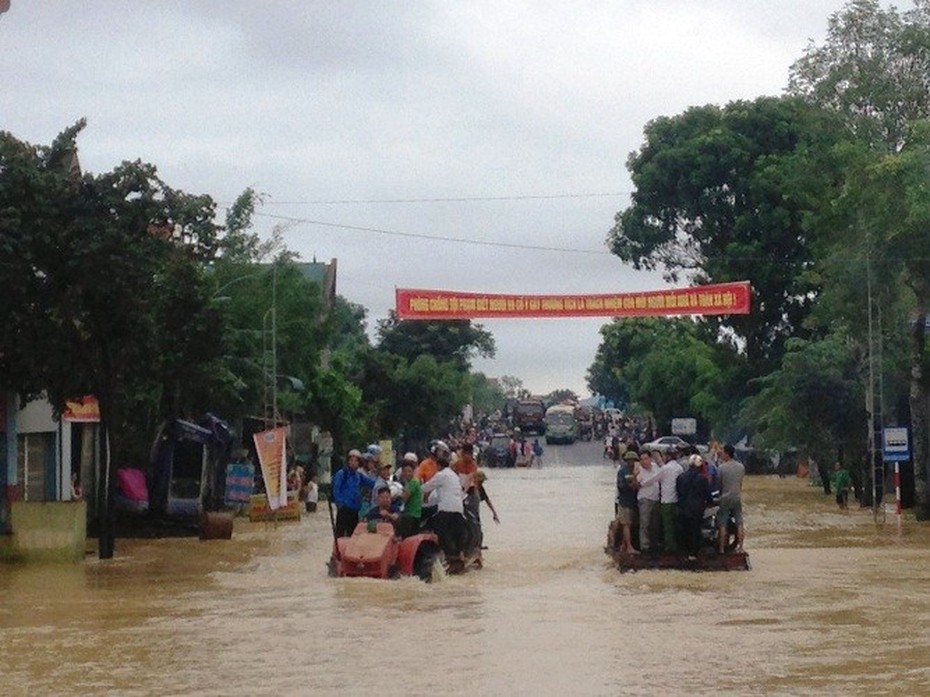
<point x="875" y="406"/>
<point x="270" y="355"/>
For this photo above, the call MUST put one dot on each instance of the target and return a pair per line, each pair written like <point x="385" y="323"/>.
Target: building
<point x="48" y="473"/>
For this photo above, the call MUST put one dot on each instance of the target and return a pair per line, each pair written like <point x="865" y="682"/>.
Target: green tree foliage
<point x="240" y="244"/>
<point x="94" y="262"/>
<point x="604" y="375"/>
<point x="268" y="306"/>
<point x="726" y="195"/>
<point x="455" y="341"/>
<point x="892" y="199"/>
<point x="513" y="387"/>
<point x="665" y="367"/>
<point x="347" y="326"/>
<point x="427" y="395"/>
<point x="814" y="401"/>
<point x="487" y="396"/>
<point x="561" y="395"/>
<point x="872" y="70"/>
<point x="105" y="269"/>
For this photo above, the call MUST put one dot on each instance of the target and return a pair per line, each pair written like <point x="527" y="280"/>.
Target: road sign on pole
<point x="895" y="444"/>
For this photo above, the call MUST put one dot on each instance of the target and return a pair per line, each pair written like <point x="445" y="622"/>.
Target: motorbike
<point x="709" y="531"/>
<point x="472" y="541"/>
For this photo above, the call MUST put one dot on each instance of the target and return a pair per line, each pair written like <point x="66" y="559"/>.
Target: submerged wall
<point x="46" y="531"/>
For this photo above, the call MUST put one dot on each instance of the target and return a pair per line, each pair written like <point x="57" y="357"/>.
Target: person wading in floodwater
<point x="347" y="494"/>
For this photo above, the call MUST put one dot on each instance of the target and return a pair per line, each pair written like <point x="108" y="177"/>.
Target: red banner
<point x="717" y="299"/>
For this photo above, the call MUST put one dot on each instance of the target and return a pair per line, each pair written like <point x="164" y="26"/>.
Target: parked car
<point x="666" y="442"/>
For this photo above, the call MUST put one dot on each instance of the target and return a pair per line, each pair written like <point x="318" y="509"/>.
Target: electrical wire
<point x="439" y="238"/>
<point x="443" y="199"/>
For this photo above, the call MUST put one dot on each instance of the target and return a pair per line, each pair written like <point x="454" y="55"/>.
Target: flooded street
<point x="833" y="604"/>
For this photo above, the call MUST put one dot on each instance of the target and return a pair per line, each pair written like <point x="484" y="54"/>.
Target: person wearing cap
<point x="444" y="490"/>
<point x="412" y="497"/>
<point x="626" y="504"/>
<point x="382" y="479"/>
<point x="347" y="493"/>
<point x="368" y="464"/>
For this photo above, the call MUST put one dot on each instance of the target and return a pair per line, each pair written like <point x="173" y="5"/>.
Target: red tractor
<point x="374" y="551"/>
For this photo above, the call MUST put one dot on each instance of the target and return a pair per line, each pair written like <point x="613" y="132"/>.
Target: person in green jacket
<point x="841" y="482"/>
<point x="413" y="498"/>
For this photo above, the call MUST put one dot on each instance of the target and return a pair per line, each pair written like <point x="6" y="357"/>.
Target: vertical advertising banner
<point x="270" y="448"/>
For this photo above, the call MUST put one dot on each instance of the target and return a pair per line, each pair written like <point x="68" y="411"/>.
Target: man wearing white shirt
<point x="647" y="497"/>
<point x="444" y="490"/>
<point x="668" y="500"/>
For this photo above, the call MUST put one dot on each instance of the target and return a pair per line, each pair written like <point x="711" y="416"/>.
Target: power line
<point x="440" y="238"/>
<point x="444" y="199"/>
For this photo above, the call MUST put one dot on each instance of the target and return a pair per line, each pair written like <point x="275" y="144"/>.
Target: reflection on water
<point x="834" y="604"/>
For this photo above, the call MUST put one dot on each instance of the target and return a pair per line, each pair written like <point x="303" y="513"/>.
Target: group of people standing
<point x="665" y="495"/>
<point x="435" y="491"/>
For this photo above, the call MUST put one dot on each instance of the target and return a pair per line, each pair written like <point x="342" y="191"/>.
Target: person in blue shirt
<point x="347" y="493"/>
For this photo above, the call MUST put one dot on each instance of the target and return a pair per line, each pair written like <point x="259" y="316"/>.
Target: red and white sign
<point x="716" y="299"/>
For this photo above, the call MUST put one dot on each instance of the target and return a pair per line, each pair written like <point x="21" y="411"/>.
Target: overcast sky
<point x="363" y="114"/>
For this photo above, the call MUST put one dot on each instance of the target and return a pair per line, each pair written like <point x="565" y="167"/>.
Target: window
<point x="36" y="450"/>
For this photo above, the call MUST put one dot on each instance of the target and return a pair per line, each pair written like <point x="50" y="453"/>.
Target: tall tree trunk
<point x="918" y="404"/>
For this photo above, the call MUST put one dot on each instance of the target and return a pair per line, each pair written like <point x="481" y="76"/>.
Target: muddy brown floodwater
<point x="834" y="604"/>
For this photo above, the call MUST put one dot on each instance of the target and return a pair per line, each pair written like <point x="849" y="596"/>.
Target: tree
<point x="513" y="387"/>
<point x="814" y="401"/>
<point x="561" y="395"/>
<point x="427" y="396"/>
<point x="455" y="341"/>
<point x="726" y="194"/>
<point x="487" y="396"/>
<point x="892" y="200"/>
<point x="666" y="367"/>
<point x="89" y="257"/>
<point x="872" y="71"/>
<point x="604" y="376"/>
